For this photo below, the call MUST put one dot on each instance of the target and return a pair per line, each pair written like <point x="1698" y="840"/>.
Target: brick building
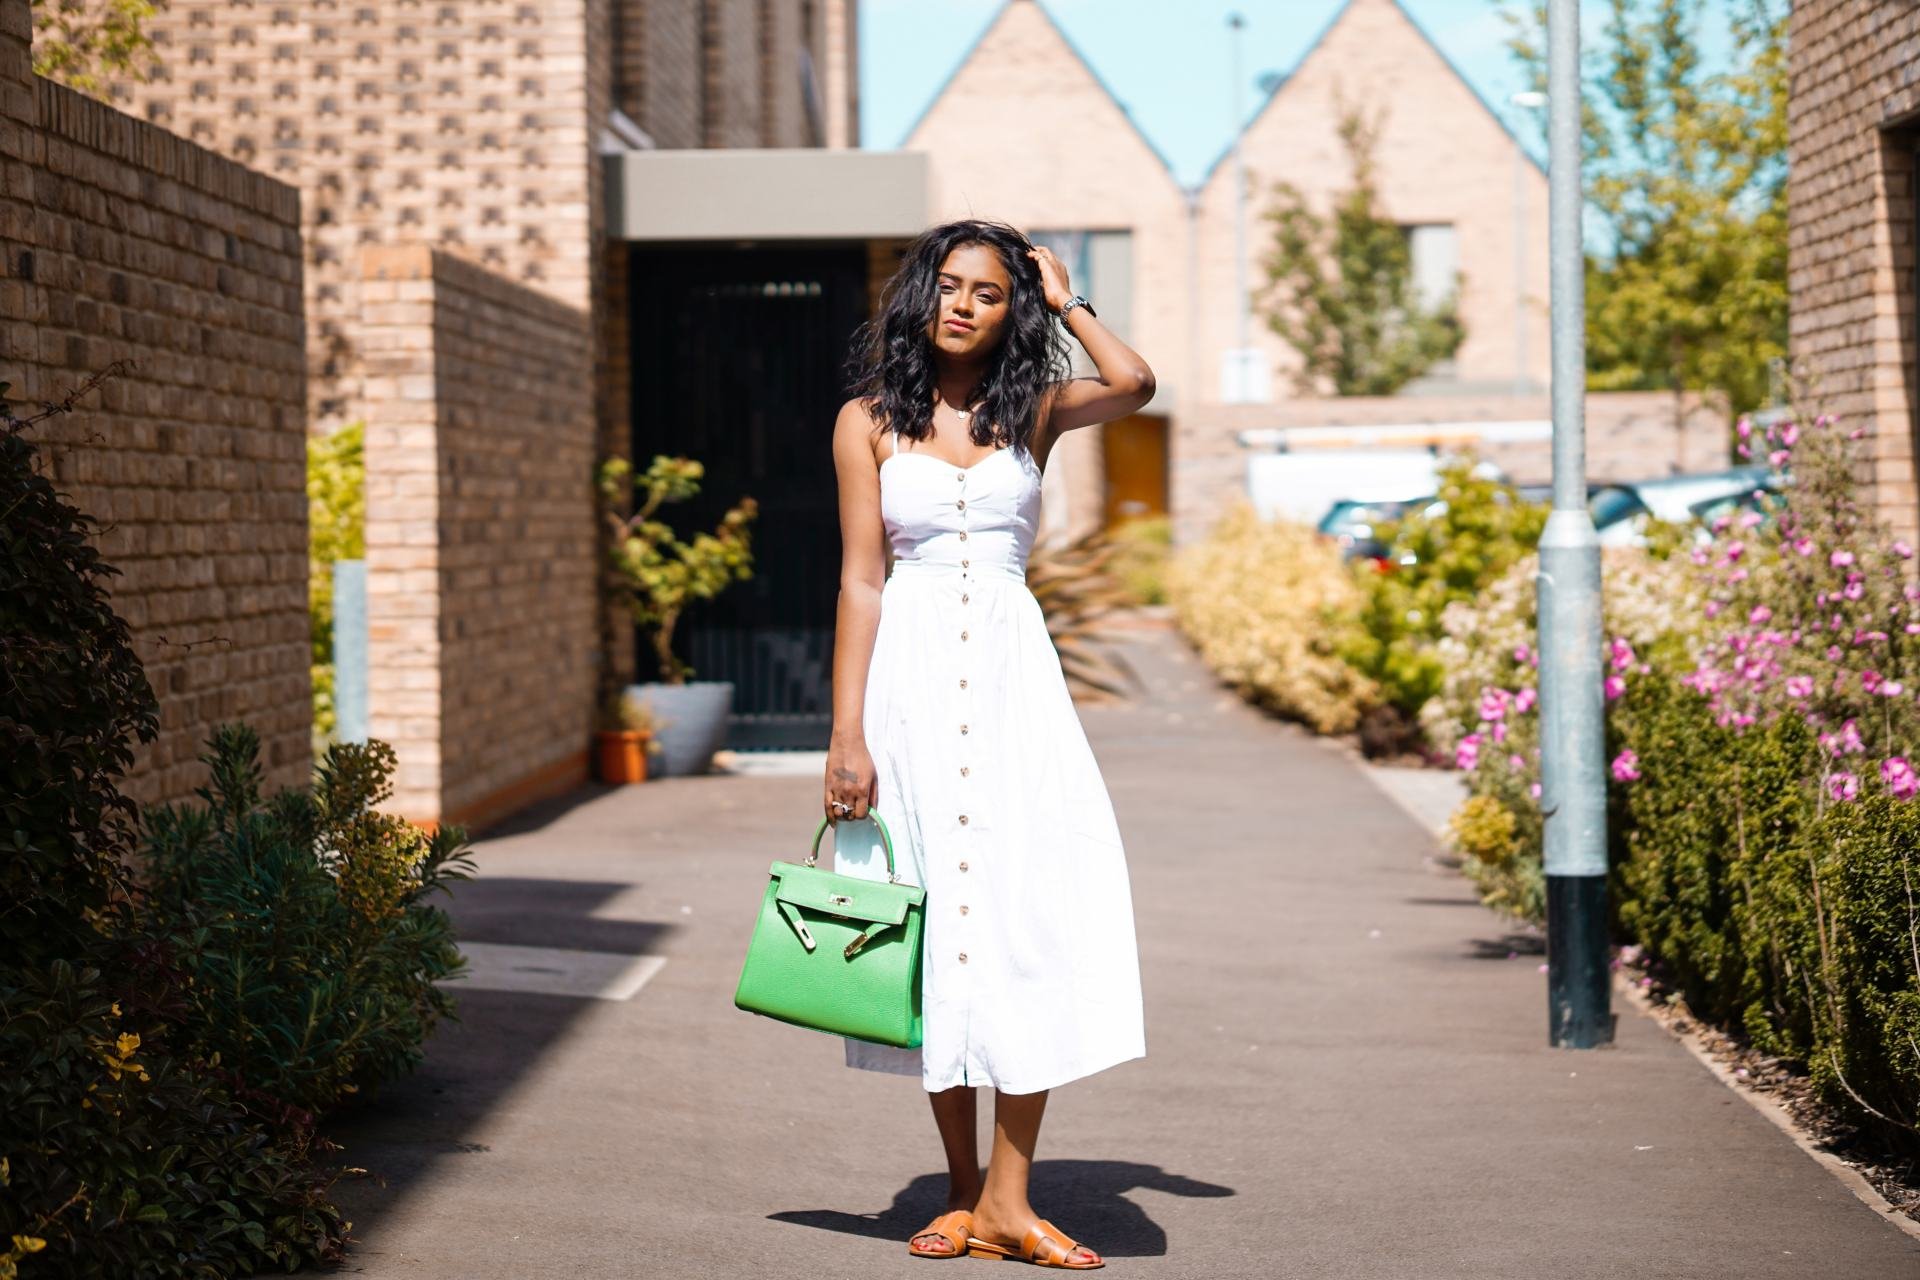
<point x="120" y="242"/>
<point x="497" y="216"/>
<point x="1854" y="130"/>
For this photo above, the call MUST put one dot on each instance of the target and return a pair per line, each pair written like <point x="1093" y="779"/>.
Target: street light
<point x="1532" y="100"/>
<point x="1573" y="798"/>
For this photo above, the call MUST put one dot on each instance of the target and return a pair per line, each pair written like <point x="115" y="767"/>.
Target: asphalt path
<point x="1347" y="1072"/>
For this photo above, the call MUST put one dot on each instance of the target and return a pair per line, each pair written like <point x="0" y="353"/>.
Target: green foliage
<point x="1688" y="169"/>
<point x="73" y="698"/>
<point x="89" y="44"/>
<point x="123" y="1152"/>
<point x="1457" y="552"/>
<point x="311" y="950"/>
<point x="654" y="573"/>
<point x="1263" y="601"/>
<point x="1340" y="291"/>
<point x="1141" y="548"/>
<point x="121" y="1155"/>
<point x="337" y="530"/>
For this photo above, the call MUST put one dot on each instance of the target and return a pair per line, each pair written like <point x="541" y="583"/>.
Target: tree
<point x="1687" y="169"/>
<point x="86" y="44"/>
<point x="1340" y="289"/>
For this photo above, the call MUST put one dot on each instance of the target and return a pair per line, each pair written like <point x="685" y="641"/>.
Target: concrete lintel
<point x="790" y="193"/>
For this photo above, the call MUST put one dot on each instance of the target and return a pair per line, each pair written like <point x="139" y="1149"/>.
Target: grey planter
<point x="691" y="722"/>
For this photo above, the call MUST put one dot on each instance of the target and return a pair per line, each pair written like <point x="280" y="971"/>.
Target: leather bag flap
<point x="856" y="899"/>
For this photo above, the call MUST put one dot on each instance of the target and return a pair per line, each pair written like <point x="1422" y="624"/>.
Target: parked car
<point x="1354" y="525"/>
<point x="1673" y="498"/>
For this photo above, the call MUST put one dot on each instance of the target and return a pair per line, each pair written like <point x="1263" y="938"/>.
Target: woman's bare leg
<point x="957" y="1112"/>
<point x="1003" y="1214"/>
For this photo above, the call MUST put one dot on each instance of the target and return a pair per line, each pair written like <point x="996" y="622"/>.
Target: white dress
<point x="1030" y="975"/>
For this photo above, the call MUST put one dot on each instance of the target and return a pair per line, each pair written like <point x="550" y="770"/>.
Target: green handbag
<point x="837" y="953"/>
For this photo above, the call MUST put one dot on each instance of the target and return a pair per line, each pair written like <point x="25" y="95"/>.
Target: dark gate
<point x="737" y="357"/>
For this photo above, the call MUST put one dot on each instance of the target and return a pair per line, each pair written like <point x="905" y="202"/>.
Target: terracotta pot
<point x="621" y="755"/>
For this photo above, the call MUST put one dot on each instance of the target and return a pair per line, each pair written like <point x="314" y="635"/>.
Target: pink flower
<point x="1523" y="701"/>
<point x="1626" y="766"/>
<point x="1843" y="786"/>
<point x="1892" y="689"/>
<point x="1516" y="762"/>
<point x="1499" y="731"/>
<point x="1869" y="681"/>
<point x="1522" y="654"/>
<point x="1900" y="778"/>
<point x="1494" y="703"/>
<point x="1840" y="559"/>
<point x="1534" y="791"/>
<point x="1833" y="653"/>
<point x="1790" y="434"/>
<point x="1713" y="608"/>
<point x="1761" y="614"/>
<point x="1803" y="545"/>
<point x="1744" y="428"/>
<point x="1844" y="743"/>
<point x="1700" y="555"/>
<point x="1854" y="588"/>
<point x="1902" y="550"/>
<point x="1742" y="451"/>
<point x="1799" y="686"/>
<point x="1467" y="754"/>
<point x="1621" y="653"/>
<point x="1614" y="687"/>
<point x="1778" y="458"/>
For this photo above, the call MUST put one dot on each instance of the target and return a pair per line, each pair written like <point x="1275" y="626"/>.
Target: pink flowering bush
<point x="1764" y="803"/>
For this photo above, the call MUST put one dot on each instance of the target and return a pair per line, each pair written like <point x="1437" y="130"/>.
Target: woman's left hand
<point x="1053" y="277"/>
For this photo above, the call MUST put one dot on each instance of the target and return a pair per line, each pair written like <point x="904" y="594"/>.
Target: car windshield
<point x="1614" y="504"/>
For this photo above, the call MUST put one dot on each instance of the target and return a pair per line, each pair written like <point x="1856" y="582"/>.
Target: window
<point x="1100" y="265"/>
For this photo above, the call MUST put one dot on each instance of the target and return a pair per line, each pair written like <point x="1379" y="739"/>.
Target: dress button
<point x="963" y="682"/>
<point x="963" y="635"/>
<point x="965" y="563"/>
<point x="963" y="957"/>
<point x="964" y="597"/>
<point x="963" y="908"/>
<point x="963" y="728"/>
<point x="963" y="771"/>
<point x="963" y="866"/>
<point x="963" y="535"/>
<point x="963" y="819"/>
<point x="963" y="504"/>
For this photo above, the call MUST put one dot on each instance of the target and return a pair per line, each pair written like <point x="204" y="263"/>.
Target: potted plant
<point x="657" y="576"/>
<point x="628" y="734"/>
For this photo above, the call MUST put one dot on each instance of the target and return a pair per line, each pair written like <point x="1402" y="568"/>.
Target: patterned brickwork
<point x="1852" y="135"/>
<point x="480" y="535"/>
<point x="470" y="126"/>
<point x="119" y="241"/>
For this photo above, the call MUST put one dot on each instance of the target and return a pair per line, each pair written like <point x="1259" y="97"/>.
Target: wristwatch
<point x="1077" y="300"/>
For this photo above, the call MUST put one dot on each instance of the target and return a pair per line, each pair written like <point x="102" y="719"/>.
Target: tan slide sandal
<point x="955" y="1226"/>
<point x="1044" y="1245"/>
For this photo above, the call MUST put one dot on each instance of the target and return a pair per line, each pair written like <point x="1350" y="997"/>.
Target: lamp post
<point x="1572" y="727"/>
<point x="1236" y="23"/>
<point x="1533" y="101"/>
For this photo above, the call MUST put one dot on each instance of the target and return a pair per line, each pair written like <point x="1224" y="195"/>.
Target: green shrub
<point x="1143" y="545"/>
<point x="337" y="530"/>
<point x="122" y="1152"/>
<point x="311" y="951"/>
<point x="1264" y="602"/>
<point x="1455" y="554"/>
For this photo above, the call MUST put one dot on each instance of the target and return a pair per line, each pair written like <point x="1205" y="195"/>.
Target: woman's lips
<point x="960" y="326"/>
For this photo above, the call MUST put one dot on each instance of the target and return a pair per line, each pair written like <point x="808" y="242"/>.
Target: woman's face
<point x="975" y="294"/>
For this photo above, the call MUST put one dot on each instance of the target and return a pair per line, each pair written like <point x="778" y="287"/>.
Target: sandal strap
<point x="955" y="1234"/>
<point x="1044" y="1235"/>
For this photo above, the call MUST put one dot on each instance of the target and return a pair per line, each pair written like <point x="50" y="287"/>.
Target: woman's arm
<point x="1123" y="384"/>
<point x="863" y="567"/>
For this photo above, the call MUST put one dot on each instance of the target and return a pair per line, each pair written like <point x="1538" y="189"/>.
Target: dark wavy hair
<point x="890" y="361"/>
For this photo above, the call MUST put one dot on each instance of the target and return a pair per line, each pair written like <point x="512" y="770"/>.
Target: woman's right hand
<point x="850" y="780"/>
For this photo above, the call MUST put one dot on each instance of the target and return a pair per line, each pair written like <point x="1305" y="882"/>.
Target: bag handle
<point x="886" y="842"/>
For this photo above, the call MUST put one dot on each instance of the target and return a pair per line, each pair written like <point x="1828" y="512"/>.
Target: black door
<point x="737" y="362"/>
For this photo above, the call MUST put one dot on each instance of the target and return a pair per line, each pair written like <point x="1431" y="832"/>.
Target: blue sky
<point x="1169" y="61"/>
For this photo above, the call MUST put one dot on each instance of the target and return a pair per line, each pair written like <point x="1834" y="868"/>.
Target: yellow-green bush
<point x="1264" y="603"/>
<point x="1142" y="546"/>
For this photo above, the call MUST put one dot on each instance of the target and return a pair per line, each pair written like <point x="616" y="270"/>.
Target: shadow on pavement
<point x="401" y="1135"/>
<point x="1084" y="1198"/>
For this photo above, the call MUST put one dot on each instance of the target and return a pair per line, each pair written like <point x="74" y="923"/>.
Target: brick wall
<point x="121" y="241"/>
<point x="1852" y="132"/>
<point x="469" y="126"/>
<point x="480" y="538"/>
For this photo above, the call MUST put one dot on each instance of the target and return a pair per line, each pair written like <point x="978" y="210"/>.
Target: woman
<point x="952" y="718"/>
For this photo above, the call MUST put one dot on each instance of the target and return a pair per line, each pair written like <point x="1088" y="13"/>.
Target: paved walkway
<point x="1346" y="1071"/>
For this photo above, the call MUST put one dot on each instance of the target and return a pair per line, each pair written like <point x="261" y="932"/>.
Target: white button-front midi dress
<point x="1030" y="974"/>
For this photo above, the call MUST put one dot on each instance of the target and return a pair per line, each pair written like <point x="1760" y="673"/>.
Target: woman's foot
<point x="998" y="1226"/>
<point x="932" y="1242"/>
